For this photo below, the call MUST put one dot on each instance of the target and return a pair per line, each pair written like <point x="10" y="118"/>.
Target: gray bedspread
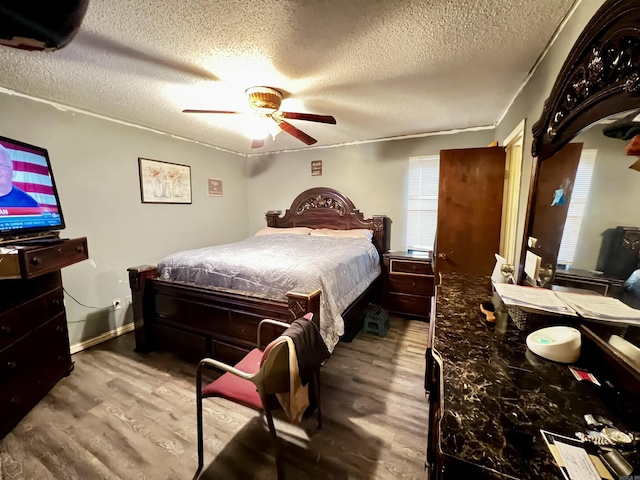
<point x="271" y="265"/>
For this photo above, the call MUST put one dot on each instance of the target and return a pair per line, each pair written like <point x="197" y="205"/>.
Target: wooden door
<point x="547" y="217"/>
<point x="469" y="210"/>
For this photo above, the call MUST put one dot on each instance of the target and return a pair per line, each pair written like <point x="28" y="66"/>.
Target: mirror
<point x="593" y="241"/>
<point x="598" y="88"/>
<point x="603" y="216"/>
<point x="600" y="245"/>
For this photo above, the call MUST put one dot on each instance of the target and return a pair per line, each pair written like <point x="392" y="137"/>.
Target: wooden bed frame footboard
<point x="198" y="322"/>
<point x="195" y="321"/>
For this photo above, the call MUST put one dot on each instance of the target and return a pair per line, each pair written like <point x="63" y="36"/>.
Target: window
<point x="577" y="206"/>
<point x="422" y="202"/>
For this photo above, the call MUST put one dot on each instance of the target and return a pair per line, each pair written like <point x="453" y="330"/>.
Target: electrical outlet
<point x="116" y="304"/>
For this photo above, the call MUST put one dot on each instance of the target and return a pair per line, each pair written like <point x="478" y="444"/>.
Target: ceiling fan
<point x="265" y="102"/>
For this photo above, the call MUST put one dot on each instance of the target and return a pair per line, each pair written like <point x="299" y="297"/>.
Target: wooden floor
<point x="124" y="415"/>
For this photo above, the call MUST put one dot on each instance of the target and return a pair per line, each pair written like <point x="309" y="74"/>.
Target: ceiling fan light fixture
<point x="266" y="118"/>
<point x="255" y="127"/>
<point x="265" y="100"/>
<point x="272" y="127"/>
<point x="260" y="126"/>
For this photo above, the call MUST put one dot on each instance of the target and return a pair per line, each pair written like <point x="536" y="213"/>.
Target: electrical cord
<point x="80" y="303"/>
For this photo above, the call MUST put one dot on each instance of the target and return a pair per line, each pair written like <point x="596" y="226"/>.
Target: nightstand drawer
<point x="408" y="304"/>
<point x="410" y="267"/>
<point x="416" y="285"/>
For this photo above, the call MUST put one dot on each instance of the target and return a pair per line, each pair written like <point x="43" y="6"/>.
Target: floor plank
<point x="122" y="415"/>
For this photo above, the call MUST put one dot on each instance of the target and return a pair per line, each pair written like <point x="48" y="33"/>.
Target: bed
<point x="193" y="318"/>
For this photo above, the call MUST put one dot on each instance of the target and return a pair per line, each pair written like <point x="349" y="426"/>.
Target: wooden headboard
<point x="324" y="207"/>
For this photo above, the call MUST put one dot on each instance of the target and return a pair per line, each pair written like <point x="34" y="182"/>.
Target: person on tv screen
<point x="10" y="195"/>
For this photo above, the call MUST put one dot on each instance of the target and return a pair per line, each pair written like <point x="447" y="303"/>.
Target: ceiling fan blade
<point x="299" y="134"/>
<point x="311" y="117"/>
<point x="257" y="143"/>
<point x="208" y="111"/>
<point x="121" y="50"/>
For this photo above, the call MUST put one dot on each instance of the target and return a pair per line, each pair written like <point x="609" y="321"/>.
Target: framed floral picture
<point x="164" y="182"/>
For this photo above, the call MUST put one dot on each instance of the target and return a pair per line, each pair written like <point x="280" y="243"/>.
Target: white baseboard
<point x="116" y="332"/>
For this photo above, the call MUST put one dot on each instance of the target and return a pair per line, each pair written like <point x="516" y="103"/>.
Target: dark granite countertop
<point x="497" y="394"/>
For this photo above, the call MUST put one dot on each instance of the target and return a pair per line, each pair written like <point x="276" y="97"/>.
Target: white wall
<point x="95" y="164"/>
<point x="372" y="175"/>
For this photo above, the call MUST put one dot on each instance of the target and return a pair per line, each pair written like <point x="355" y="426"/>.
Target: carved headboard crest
<point x="600" y="77"/>
<point x="321" y="201"/>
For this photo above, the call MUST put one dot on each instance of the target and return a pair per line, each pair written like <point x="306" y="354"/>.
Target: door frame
<point x="514" y="148"/>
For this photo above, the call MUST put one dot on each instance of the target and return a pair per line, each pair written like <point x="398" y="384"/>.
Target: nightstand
<point x="407" y="283"/>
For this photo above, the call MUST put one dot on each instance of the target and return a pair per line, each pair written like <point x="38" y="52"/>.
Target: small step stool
<point x="376" y="320"/>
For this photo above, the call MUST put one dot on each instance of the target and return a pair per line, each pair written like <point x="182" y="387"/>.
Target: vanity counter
<point x="490" y="395"/>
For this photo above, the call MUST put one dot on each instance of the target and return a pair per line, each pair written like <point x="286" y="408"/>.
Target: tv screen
<point x="29" y="202"/>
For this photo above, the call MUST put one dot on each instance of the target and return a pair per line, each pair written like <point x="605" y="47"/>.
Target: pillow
<point x="292" y="230"/>
<point x="356" y="232"/>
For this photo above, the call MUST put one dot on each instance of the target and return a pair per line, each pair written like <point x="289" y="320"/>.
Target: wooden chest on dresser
<point x="407" y="284"/>
<point x="34" y="343"/>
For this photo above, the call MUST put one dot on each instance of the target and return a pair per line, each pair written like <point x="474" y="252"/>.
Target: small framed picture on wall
<point x="215" y="187"/>
<point x="316" y="168"/>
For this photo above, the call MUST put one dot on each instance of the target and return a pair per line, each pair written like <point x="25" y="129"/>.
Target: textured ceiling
<point x="382" y="68"/>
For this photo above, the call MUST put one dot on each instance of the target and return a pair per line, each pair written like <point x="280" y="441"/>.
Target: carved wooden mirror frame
<point x="600" y="77"/>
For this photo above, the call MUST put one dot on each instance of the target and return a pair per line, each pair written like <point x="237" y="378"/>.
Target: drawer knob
<point x="443" y="256"/>
<point x="80" y="249"/>
<point x="60" y="328"/>
<point x="413" y="284"/>
<point x="12" y="365"/>
<point x="35" y="261"/>
<point x="15" y="400"/>
<point x="56" y="301"/>
<point x="5" y="329"/>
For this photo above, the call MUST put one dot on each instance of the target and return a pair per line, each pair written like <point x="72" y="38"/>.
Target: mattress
<point x="272" y="265"/>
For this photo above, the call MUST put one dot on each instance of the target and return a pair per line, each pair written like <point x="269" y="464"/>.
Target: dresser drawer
<point x="409" y="267"/>
<point x="40" y="260"/>
<point x="416" y="285"/>
<point x="47" y="347"/>
<point x="33" y="261"/>
<point x="29" y="369"/>
<point x="16" y="292"/>
<point x="21" y="320"/>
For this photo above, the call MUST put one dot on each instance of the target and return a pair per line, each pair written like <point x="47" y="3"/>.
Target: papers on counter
<point x="589" y="307"/>
<point x="577" y="462"/>
<point x="571" y="458"/>
<point x="596" y="307"/>
<point x="533" y="298"/>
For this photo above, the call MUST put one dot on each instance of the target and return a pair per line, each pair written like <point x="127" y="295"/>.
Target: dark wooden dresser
<point x="34" y="344"/>
<point x="489" y="396"/>
<point x="407" y="284"/>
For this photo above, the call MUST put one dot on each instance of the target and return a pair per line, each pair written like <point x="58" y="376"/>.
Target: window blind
<point x="422" y="202"/>
<point x="577" y="206"/>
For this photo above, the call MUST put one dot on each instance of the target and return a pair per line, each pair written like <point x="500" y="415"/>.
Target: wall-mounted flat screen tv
<point x="29" y="202"/>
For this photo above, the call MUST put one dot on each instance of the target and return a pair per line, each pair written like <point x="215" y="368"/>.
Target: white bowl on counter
<point x="560" y="343"/>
